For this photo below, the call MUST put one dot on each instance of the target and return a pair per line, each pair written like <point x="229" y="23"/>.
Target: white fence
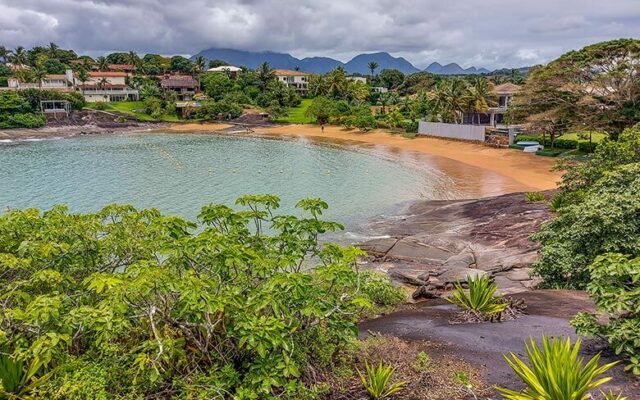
<point x="452" y="131"/>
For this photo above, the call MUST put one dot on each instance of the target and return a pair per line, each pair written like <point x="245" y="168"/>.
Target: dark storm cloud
<point x="493" y="33"/>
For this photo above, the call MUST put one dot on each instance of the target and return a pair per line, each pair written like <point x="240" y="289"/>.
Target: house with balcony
<point x="106" y="86"/>
<point x="58" y="82"/>
<point x="184" y="86"/>
<point x="298" y="81"/>
<point x="494" y="116"/>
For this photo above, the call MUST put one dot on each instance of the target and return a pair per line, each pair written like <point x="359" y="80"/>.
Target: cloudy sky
<point x="489" y="33"/>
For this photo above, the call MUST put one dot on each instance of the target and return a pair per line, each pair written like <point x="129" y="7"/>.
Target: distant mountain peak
<point x="321" y="65"/>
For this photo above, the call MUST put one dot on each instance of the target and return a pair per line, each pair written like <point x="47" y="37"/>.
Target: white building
<point x="60" y="82"/>
<point x="105" y="86"/>
<point x="360" y="79"/>
<point x="299" y="81"/>
<point x="380" y="89"/>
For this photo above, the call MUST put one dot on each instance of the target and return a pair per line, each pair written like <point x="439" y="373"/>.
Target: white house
<point x="230" y="70"/>
<point x="360" y="79"/>
<point x="106" y="86"/>
<point x="60" y="82"/>
<point x="299" y="81"/>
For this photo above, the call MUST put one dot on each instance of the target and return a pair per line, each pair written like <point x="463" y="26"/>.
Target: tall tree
<point x="53" y="50"/>
<point x="4" y="54"/>
<point x="372" y="67"/>
<point x="265" y="75"/>
<point x="39" y="74"/>
<point x="597" y="87"/>
<point x="19" y="56"/>
<point x="480" y="96"/>
<point x="199" y="63"/>
<point x="102" y="63"/>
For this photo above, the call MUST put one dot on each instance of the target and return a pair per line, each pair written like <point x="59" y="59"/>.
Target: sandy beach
<point x="478" y="170"/>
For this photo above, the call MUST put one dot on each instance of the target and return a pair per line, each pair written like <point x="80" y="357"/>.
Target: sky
<point x="489" y="33"/>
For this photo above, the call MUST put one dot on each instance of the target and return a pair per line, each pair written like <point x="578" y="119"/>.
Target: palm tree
<point x="53" y="50"/>
<point x="480" y="96"/>
<point x="4" y="53"/>
<point x="39" y="73"/>
<point x="132" y="57"/>
<point x="372" y="66"/>
<point x="19" y="56"/>
<point x="102" y="63"/>
<point x="199" y="63"/>
<point x="265" y="75"/>
<point x="83" y="75"/>
<point x="102" y="83"/>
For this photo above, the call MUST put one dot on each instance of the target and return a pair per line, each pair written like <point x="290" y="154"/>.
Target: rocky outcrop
<point x="441" y="242"/>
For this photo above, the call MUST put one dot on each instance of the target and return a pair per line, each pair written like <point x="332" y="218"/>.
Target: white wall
<point x="452" y="131"/>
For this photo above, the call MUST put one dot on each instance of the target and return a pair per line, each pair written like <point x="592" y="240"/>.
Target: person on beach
<point x="322" y="128"/>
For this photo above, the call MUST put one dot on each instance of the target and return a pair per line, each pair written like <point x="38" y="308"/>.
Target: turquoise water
<point x="179" y="173"/>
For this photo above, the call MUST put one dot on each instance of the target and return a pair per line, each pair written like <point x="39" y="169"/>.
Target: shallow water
<point x="180" y="173"/>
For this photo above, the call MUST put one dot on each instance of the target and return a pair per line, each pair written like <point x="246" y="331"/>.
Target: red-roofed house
<point x="299" y="81"/>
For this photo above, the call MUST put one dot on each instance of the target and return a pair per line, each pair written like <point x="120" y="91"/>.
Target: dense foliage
<point x="594" y="241"/>
<point x="132" y="304"/>
<point x="597" y="86"/>
<point x="557" y="372"/>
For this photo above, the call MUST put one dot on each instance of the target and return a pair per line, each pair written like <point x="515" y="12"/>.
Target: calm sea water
<point x="179" y="173"/>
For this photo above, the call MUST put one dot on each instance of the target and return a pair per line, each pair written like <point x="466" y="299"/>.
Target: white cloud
<point x="496" y="33"/>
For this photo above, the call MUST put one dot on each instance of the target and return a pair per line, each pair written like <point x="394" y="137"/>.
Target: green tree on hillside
<point x="265" y="75"/>
<point x="372" y="67"/>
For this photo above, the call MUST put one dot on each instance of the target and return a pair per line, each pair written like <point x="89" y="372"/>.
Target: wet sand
<point x="197" y="128"/>
<point x="477" y="170"/>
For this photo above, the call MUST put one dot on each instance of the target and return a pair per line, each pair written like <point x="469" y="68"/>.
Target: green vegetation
<point x="534" y="197"/>
<point x="556" y="372"/>
<point x="127" y="303"/>
<point x="560" y="96"/>
<point x="615" y="287"/>
<point x="298" y="114"/>
<point x="377" y="381"/>
<point x="481" y="298"/>
<point x="22" y="109"/>
<point x="594" y="241"/>
<point x="135" y="109"/>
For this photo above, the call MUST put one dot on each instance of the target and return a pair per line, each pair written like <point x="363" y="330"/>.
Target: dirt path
<point x="548" y="311"/>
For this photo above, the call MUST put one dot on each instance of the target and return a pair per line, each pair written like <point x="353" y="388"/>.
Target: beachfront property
<point x="60" y="82"/>
<point x="298" y="81"/>
<point x="360" y="79"/>
<point x="230" y="70"/>
<point x="106" y="86"/>
<point x="495" y="115"/>
<point x="184" y="86"/>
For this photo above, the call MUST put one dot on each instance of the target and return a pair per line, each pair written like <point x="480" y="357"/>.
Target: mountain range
<point x="320" y="65"/>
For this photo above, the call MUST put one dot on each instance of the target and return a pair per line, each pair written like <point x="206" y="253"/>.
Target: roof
<point x="122" y="67"/>
<point x="225" y="68"/>
<point x="178" y="82"/>
<point x="106" y="74"/>
<point x="56" y="76"/>
<point x="506" y="88"/>
<point x="289" y="72"/>
<point x="106" y="86"/>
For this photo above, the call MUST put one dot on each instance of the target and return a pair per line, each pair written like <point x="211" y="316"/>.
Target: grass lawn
<point x="296" y="114"/>
<point x="595" y="136"/>
<point x="133" y="108"/>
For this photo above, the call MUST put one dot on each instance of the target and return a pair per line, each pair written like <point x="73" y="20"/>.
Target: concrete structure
<point x="106" y="86"/>
<point x="230" y="70"/>
<point x="184" y="86"/>
<point x="298" y="81"/>
<point x="54" y="109"/>
<point x="360" y="79"/>
<point x="379" y="89"/>
<point x="59" y="82"/>
<point x="495" y="115"/>
<point x="452" y="131"/>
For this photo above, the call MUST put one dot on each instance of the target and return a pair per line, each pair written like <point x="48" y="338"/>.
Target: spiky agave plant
<point x="556" y="372"/>
<point x="481" y="298"/>
<point x="377" y="381"/>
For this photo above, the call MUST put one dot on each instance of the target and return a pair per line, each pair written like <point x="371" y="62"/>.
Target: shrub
<point x="481" y="297"/>
<point x="380" y="290"/>
<point x="615" y="287"/>
<point x="140" y="304"/>
<point x="409" y="135"/>
<point x="587" y="147"/>
<point x="534" y="197"/>
<point x="411" y="126"/>
<point x="549" y="152"/>
<point x="377" y="381"/>
<point x="556" y="372"/>
<point x="101" y="106"/>
<point x="22" y="120"/>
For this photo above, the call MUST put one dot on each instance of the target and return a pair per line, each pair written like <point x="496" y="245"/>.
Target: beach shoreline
<point x="486" y="170"/>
